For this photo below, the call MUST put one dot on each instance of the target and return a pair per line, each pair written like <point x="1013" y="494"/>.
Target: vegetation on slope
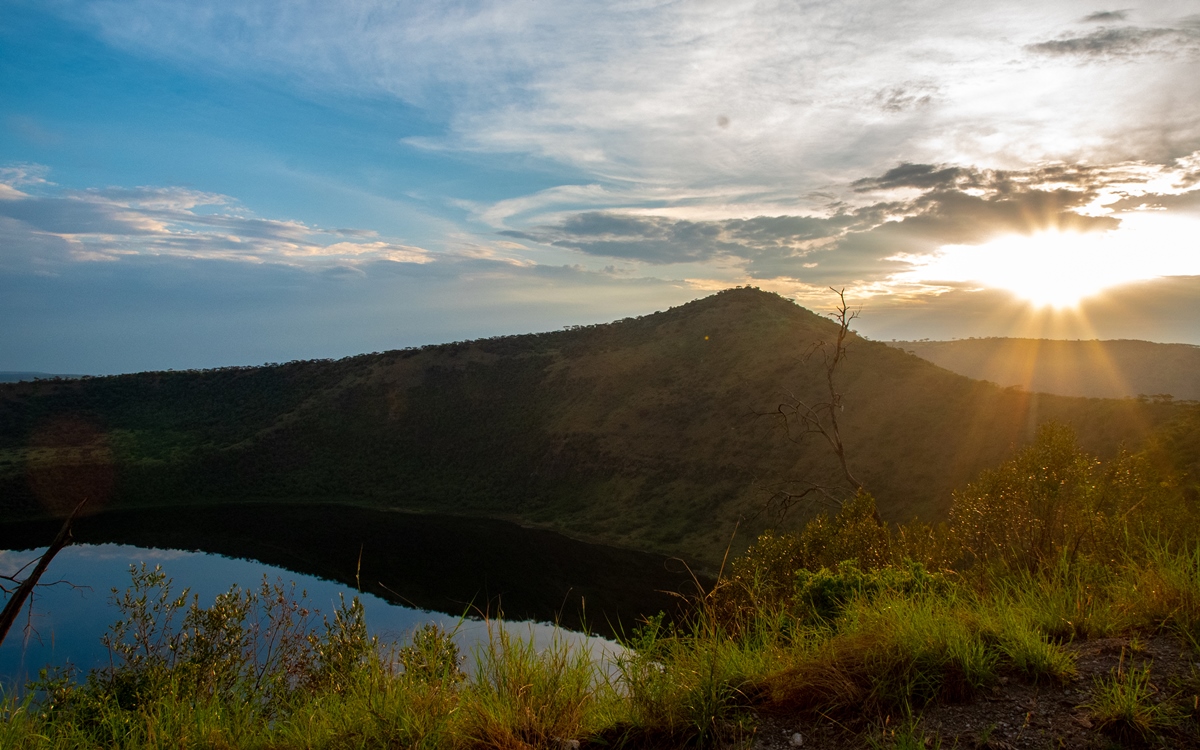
<point x="1096" y="369"/>
<point x="646" y="432"/>
<point x="849" y="622"/>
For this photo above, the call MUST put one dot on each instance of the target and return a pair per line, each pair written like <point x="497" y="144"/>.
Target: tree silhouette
<point x="802" y="419"/>
<point x="24" y="587"/>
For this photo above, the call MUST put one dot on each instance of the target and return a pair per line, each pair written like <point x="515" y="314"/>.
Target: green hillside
<point x="1101" y="369"/>
<point x="645" y="432"/>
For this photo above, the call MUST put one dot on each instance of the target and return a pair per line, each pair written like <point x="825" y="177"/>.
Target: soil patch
<point x="1016" y="715"/>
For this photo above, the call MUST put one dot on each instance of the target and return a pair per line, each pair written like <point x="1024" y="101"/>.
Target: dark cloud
<point x="647" y="238"/>
<point x="962" y="218"/>
<point x="595" y="223"/>
<point x="1120" y="42"/>
<point x="659" y="240"/>
<point x="784" y="231"/>
<point x="954" y="206"/>
<point x="936" y="219"/>
<point x="923" y="176"/>
<point x="905" y="96"/>
<point x="1105" y="16"/>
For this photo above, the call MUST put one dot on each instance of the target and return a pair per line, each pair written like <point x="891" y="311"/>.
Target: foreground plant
<point x="1124" y="705"/>
<point x="850" y="618"/>
<point x="525" y="697"/>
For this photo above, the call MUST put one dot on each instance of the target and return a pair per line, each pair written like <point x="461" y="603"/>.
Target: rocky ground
<point x="1019" y="716"/>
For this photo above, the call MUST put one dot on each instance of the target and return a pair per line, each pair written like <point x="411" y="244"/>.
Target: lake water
<point x="412" y="569"/>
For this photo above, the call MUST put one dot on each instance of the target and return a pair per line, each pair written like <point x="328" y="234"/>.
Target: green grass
<point x="848" y="620"/>
<point x="1125" y="705"/>
<point x="887" y="652"/>
<point x="522" y="697"/>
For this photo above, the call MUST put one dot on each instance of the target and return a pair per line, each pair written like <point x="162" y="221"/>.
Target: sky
<point x="218" y="183"/>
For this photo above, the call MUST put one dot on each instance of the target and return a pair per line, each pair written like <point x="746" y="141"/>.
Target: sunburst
<point x="1060" y="269"/>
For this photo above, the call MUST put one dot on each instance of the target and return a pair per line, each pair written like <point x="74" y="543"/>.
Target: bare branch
<point x="802" y="419"/>
<point x="9" y="615"/>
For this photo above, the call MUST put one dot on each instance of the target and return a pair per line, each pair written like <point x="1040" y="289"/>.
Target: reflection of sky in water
<point x="69" y="621"/>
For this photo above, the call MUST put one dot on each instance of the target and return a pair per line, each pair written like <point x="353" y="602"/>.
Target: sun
<point x="1050" y="269"/>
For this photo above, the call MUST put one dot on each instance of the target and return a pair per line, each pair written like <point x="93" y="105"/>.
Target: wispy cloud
<point x="51" y="225"/>
<point x="1123" y="42"/>
<point x="794" y="144"/>
<point x="745" y="95"/>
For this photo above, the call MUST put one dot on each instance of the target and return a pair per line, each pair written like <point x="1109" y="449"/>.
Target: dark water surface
<point x="413" y="569"/>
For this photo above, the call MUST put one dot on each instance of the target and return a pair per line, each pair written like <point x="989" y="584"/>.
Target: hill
<point x="16" y="377"/>
<point x="1098" y="369"/>
<point x="645" y="432"/>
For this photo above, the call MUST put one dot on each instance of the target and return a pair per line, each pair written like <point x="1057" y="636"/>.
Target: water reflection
<point x="442" y="563"/>
<point x="412" y="569"/>
<point x="65" y="622"/>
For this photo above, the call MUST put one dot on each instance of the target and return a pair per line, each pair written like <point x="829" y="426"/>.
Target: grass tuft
<point x="1123" y="705"/>
<point x="523" y="698"/>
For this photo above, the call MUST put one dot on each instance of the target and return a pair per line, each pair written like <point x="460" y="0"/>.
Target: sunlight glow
<point x="1059" y="269"/>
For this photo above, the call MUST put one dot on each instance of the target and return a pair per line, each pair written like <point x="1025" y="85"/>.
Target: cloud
<point x="661" y="240"/>
<point x="1103" y="16"/>
<point x="891" y="222"/>
<point x="1121" y="42"/>
<point x="50" y="225"/>
<point x="17" y="175"/>
<point x="906" y="96"/>
<point x="740" y="97"/>
<point x="921" y="176"/>
<point x="912" y="211"/>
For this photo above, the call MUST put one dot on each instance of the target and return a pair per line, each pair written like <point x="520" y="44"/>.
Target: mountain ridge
<point x="652" y="433"/>
<point x="1116" y="368"/>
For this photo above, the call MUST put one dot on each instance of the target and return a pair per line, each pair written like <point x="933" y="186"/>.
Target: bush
<point x="253" y="650"/>
<point x="1031" y="509"/>
<point x="824" y="594"/>
<point x="432" y="657"/>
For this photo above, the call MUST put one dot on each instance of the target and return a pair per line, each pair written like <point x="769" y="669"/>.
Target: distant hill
<point x="1101" y="369"/>
<point x="17" y="377"/>
<point x="646" y="432"/>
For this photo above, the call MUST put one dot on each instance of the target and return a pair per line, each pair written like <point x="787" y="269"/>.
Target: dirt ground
<point x="1015" y="715"/>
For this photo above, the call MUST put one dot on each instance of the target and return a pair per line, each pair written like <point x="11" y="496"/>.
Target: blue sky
<point x="211" y="183"/>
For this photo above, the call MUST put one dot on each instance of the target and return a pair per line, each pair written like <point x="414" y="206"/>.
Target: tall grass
<point x="850" y="619"/>
<point x="522" y="697"/>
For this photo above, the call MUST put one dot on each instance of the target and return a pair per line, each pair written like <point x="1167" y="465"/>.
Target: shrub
<point x="824" y="594"/>
<point x="432" y="657"/>
<point x="1031" y="509"/>
<point x="853" y="533"/>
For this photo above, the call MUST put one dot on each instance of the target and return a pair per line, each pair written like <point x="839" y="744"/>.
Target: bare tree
<point x="803" y="419"/>
<point x="24" y="588"/>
